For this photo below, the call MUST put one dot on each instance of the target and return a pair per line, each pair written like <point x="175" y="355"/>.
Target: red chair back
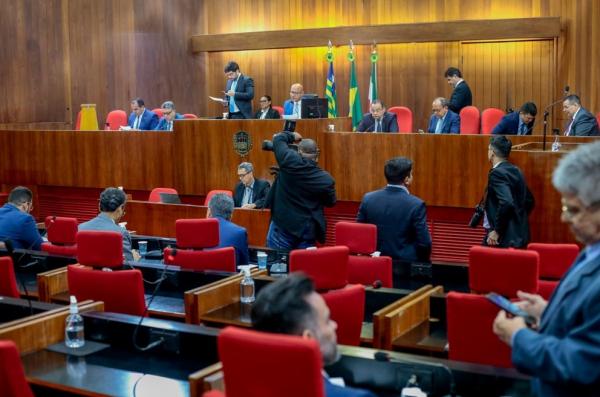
<point x="469" y="120"/>
<point x="122" y="291"/>
<point x="189" y="116"/>
<point x="155" y="193"/>
<point x="598" y="118"/>
<point x="197" y="233"/>
<point x="116" y="119"/>
<point x="293" y="364"/>
<point x="347" y="309"/>
<point x="279" y="109"/>
<point x="12" y="376"/>
<point x="360" y="238"/>
<point x="8" y="281"/>
<point x="61" y="230"/>
<point x="100" y="249"/>
<point x="213" y="192"/>
<point x="504" y="271"/>
<point x="78" y="121"/>
<point x="327" y="267"/>
<point x="555" y="259"/>
<point x="405" y="118"/>
<point x="368" y="270"/>
<point x="490" y="117"/>
<point x="546" y="288"/>
<point x="158" y="112"/>
<point x="469" y="320"/>
<point x="222" y="259"/>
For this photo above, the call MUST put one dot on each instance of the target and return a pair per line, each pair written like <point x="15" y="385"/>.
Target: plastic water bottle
<point x="247" y="286"/>
<point x="556" y="144"/>
<point x="74" y="326"/>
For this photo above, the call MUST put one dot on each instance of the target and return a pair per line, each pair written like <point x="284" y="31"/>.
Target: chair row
<point x="115" y="119"/>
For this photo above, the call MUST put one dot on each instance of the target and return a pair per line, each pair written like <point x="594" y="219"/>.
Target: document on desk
<point x="221" y="100"/>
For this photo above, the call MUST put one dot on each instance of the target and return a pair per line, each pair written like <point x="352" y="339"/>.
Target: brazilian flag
<point x="354" y="95"/>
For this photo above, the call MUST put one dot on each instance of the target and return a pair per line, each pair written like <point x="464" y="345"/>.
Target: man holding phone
<point x="562" y="350"/>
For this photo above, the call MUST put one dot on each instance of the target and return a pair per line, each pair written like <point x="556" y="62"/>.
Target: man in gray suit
<point x="582" y="123"/>
<point x="112" y="209"/>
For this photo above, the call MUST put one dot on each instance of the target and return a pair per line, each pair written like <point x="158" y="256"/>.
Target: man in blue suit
<point x="292" y="306"/>
<point x="140" y="117"/>
<point x="15" y="222"/>
<point x="292" y="108"/>
<point x="443" y="120"/>
<point x="400" y="217"/>
<point x="378" y="120"/>
<point x="220" y="207"/>
<point x="239" y="92"/>
<point x="562" y="350"/>
<point x="461" y="96"/>
<point x="169" y="116"/>
<point x="518" y="123"/>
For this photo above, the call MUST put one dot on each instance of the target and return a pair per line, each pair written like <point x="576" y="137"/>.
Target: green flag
<point x="354" y="95"/>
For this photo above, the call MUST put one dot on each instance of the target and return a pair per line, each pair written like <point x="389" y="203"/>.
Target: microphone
<point x="566" y="90"/>
<point x="376" y="285"/>
<point x="11" y="252"/>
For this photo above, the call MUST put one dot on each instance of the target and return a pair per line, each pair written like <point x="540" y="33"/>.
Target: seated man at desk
<point x="250" y="193"/>
<point x="378" y="120"/>
<point x="112" y="209"/>
<point x="220" y="207"/>
<point x="443" y="120"/>
<point x="169" y="116"/>
<point x="518" y="123"/>
<point x="292" y="306"/>
<point x="140" y="117"/>
<point x="16" y="224"/>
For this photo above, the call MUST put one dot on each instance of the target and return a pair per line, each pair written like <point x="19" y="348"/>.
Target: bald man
<point x="292" y="108"/>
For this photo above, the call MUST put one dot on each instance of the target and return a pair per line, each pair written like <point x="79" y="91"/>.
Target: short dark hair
<point x="138" y="101"/>
<point x="501" y="146"/>
<point x="378" y="101"/>
<point x="20" y="195"/>
<point x="111" y="199"/>
<point x="231" y="66"/>
<point x="397" y="169"/>
<point x="573" y="99"/>
<point x="282" y="306"/>
<point x="268" y="98"/>
<point x="528" y="108"/>
<point x="452" y="71"/>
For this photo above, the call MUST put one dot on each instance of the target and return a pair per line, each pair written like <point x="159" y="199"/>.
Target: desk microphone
<point x="10" y="249"/>
<point x="566" y="92"/>
<point x="376" y="285"/>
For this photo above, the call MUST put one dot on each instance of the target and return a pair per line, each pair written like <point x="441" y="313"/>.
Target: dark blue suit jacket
<point x="244" y="93"/>
<point x="149" y="120"/>
<point x="332" y="390"/>
<point x="389" y="123"/>
<point x="461" y="97"/>
<point x="19" y="227"/>
<point x="585" y="124"/>
<point x="401" y="221"/>
<point x="232" y="235"/>
<point x="564" y="354"/>
<point x="451" y="124"/>
<point x="288" y="108"/>
<point x="162" y="123"/>
<point x="509" y="125"/>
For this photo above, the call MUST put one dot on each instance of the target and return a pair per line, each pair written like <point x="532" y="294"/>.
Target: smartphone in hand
<point x="511" y="308"/>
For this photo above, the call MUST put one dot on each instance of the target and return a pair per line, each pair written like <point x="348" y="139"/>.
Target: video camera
<point x="288" y="126"/>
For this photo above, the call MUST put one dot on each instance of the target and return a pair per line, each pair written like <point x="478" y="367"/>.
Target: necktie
<point x="296" y="110"/>
<point x="378" y="126"/>
<point x="438" y="126"/>
<point x="136" y="124"/>
<point x="568" y="131"/>
<point x="247" y="196"/>
<point x="170" y="126"/>
<point x="522" y="129"/>
<point x="231" y="100"/>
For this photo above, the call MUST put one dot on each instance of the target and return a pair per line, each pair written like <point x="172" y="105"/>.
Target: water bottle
<point x="247" y="286"/>
<point x="74" y="326"/>
<point x="556" y="144"/>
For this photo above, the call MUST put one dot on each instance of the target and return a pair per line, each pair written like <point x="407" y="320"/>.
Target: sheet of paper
<point x="221" y="100"/>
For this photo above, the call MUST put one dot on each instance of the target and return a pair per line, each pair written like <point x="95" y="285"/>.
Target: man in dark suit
<point x="292" y="306"/>
<point x="239" y="92"/>
<point x="298" y="195"/>
<point x="461" y="96"/>
<point x="378" y="120"/>
<point x="220" y="207"/>
<point x="400" y="217"/>
<point x="443" y="120"/>
<point x="562" y="351"/>
<point x="169" y="116"/>
<point x="250" y="193"/>
<point x="16" y="224"/>
<point x="582" y="123"/>
<point x="508" y="200"/>
<point x="140" y="117"/>
<point x="517" y="123"/>
<point x="266" y="110"/>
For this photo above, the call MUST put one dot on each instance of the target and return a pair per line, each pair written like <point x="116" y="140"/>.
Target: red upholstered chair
<point x="347" y="307"/>
<point x="122" y="291"/>
<point x="213" y="192"/>
<point x="555" y="260"/>
<point x="155" y="193"/>
<point x="273" y="357"/>
<point x="361" y="240"/>
<point x="279" y="109"/>
<point x="469" y="120"/>
<point x="327" y="267"/>
<point x="8" y="281"/>
<point x="62" y="236"/>
<point x="197" y="233"/>
<point x="158" y="112"/>
<point x="189" y="116"/>
<point x="100" y="249"/>
<point x="217" y="259"/>
<point x="504" y="271"/>
<point x="116" y="119"/>
<point x="469" y="320"/>
<point x="12" y="376"/>
<point x="598" y="118"/>
<point x="490" y="117"/>
<point x="405" y="118"/>
<point x="78" y="121"/>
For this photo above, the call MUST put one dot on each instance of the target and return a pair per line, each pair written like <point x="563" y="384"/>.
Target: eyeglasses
<point x="242" y="175"/>
<point x="572" y="212"/>
<point x="263" y="100"/>
<point x="296" y="93"/>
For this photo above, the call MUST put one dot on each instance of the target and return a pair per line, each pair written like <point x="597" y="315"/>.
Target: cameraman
<point x="298" y="195"/>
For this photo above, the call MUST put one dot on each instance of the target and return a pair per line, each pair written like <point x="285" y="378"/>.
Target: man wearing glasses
<point x="292" y="108"/>
<point x="250" y="193"/>
<point x="443" y="120"/>
<point x="169" y="116"/>
<point x="562" y="350"/>
<point x="16" y="224"/>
